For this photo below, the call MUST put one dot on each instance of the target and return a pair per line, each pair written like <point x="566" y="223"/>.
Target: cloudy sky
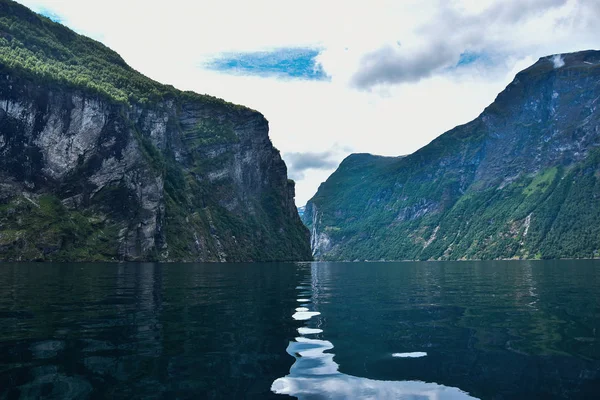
<point x="338" y="76"/>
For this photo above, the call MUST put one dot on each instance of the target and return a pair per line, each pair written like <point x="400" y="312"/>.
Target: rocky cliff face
<point x="183" y="177"/>
<point x="522" y="180"/>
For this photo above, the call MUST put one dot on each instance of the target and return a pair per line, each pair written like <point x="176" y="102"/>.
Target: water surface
<point x="491" y="330"/>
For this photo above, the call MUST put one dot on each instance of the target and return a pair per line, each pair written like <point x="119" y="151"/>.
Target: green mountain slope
<point x="98" y="162"/>
<point x="34" y="46"/>
<point x="521" y="180"/>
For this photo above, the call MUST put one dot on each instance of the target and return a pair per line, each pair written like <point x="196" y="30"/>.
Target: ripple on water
<point x="305" y="315"/>
<point x="415" y="354"/>
<point x="309" y="331"/>
<point x="47" y="348"/>
<point x="49" y="383"/>
<point x="315" y="375"/>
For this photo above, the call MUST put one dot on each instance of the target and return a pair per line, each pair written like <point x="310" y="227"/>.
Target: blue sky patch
<point x="467" y="58"/>
<point x="294" y="63"/>
<point x="50" y="15"/>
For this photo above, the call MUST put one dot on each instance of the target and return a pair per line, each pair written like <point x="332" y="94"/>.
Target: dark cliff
<point x="98" y="162"/>
<point x="520" y="181"/>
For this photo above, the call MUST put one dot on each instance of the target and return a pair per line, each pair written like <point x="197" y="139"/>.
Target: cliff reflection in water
<point x="315" y="375"/>
<point x="220" y="331"/>
<point x="133" y="331"/>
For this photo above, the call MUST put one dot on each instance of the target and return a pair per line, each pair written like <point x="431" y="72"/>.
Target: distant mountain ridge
<point x="522" y="180"/>
<point x="99" y="162"/>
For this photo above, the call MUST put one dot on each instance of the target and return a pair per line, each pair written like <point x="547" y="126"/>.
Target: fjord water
<point x="448" y="330"/>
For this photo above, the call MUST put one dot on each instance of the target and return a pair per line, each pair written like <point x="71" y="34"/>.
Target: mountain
<point x="522" y="180"/>
<point x="98" y="162"/>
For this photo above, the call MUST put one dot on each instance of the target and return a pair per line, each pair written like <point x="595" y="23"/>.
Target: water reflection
<point x="315" y="375"/>
<point x="130" y="331"/>
<point x="414" y="354"/>
<point x="493" y="329"/>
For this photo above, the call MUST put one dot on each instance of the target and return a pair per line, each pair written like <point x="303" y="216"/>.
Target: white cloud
<point x="298" y="163"/>
<point x="401" y="54"/>
<point x="558" y="61"/>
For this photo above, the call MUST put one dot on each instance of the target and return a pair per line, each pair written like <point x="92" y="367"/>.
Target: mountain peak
<point x="562" y="61"/>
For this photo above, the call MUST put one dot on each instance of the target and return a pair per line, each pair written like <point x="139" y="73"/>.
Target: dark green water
<point x="490" y="330"/>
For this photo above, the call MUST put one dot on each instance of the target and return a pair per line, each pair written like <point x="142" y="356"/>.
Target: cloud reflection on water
<point x="416" y="354"/>
<point x="315" y="375"/>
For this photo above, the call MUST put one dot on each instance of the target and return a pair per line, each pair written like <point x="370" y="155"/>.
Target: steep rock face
<point x="84" y="176"/>
<point x="521" y="180"/>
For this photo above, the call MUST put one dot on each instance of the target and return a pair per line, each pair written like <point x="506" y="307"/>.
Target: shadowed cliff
<point x="98" y="162"/>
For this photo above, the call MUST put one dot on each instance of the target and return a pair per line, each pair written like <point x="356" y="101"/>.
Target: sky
<point x="335" y="77"/>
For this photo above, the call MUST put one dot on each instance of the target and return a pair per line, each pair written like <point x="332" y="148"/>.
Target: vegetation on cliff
<point x="98" y="162"/>
<point x="520" y="181"/>
<point x="36" y="46"/>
